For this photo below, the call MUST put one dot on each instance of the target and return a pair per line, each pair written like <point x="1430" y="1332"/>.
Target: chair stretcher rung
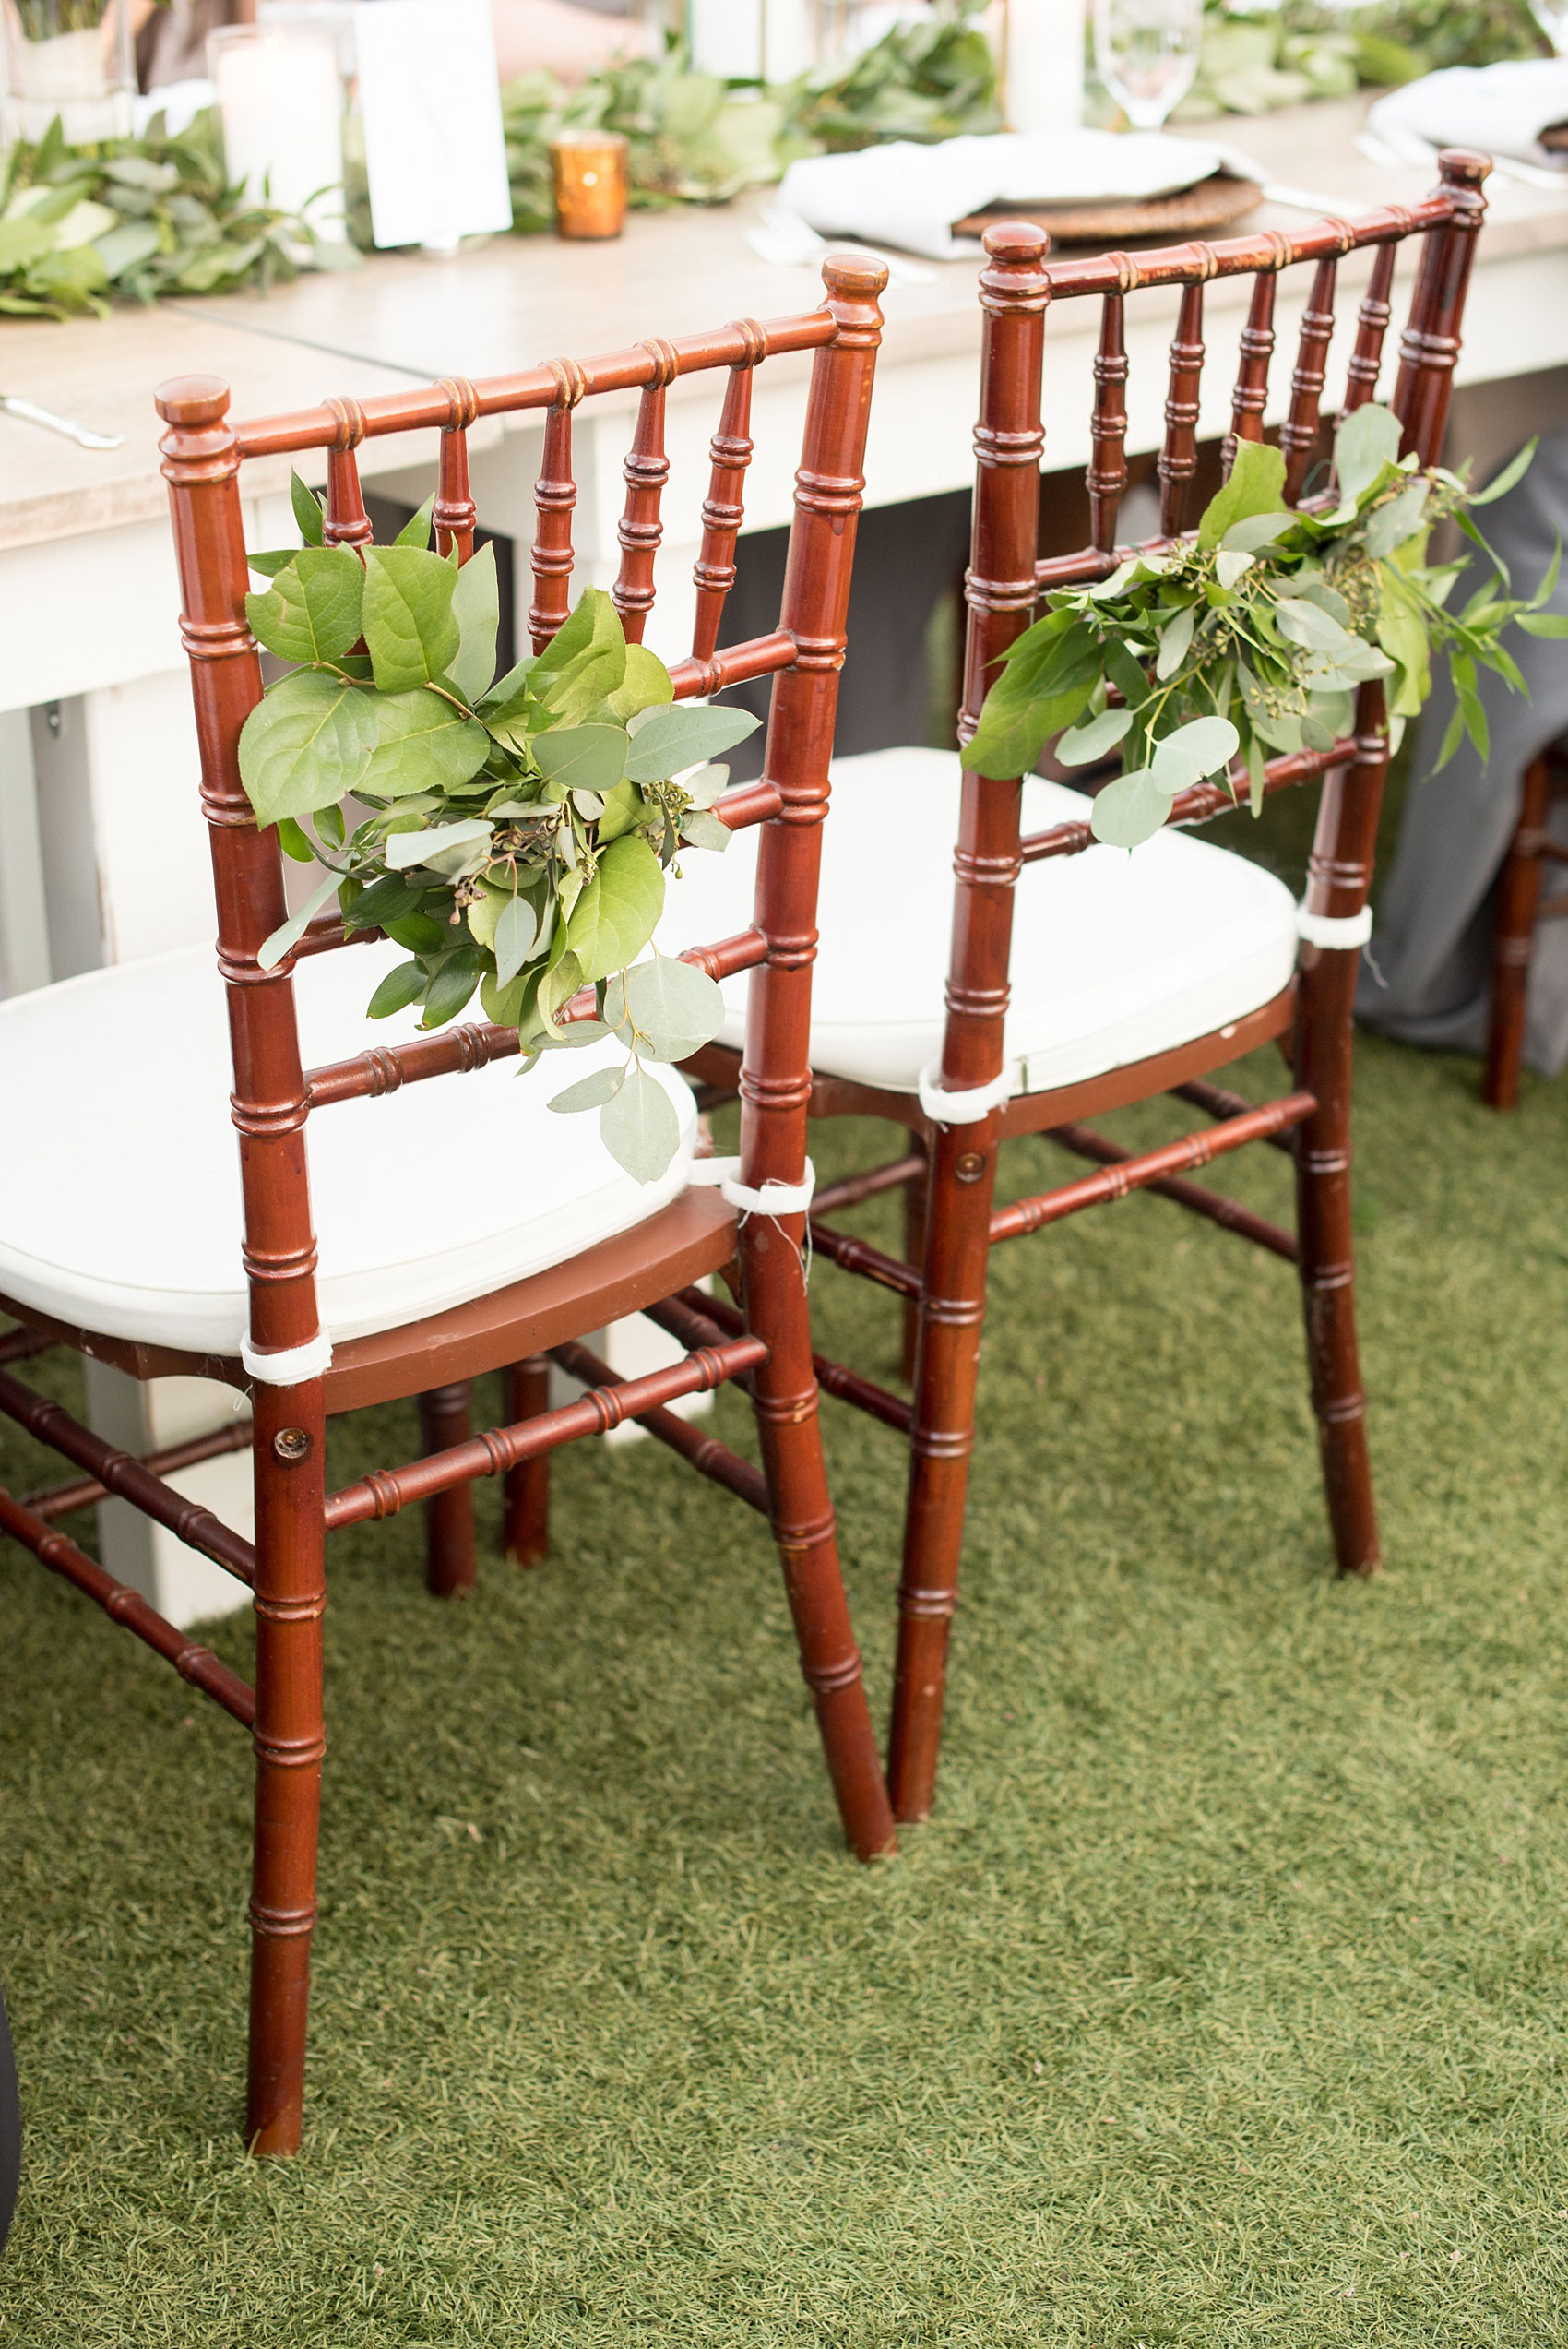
<point x="858" y="1256"/>
<point x="707" y="1454"/>
<point x="1220" y="1101"/>
<point x="387" y="1490"/>
<point x="833" y="1377"/>
<point x="128" y="1479"/>
<point x="192" y="1663"/>
<point x="21" y="1345"/>
<point x="856" y="1187"/>
<point x="1084" y="1142"/>
<point x="1136" y="1174"/>
<point x="60" y="1500"/>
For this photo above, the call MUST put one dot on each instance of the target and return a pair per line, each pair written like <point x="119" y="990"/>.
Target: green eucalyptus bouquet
<point x="511" y="834"/>
<point x="1250" y="639"/>
<point x="134" y="219"/>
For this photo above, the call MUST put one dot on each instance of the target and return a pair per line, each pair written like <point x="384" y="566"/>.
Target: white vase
<point x="79" y="76"/>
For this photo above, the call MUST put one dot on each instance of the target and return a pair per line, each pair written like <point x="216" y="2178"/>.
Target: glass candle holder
<point x="590" y="182"/>
<point x="73" y="59"/>
<point x="280" y="95"/>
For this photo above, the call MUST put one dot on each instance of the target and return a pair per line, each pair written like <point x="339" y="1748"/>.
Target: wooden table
<point x="102" y="849"/>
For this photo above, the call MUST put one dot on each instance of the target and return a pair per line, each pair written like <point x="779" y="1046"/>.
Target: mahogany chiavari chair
<point x="1080" y="979"/>
<point x="1519" y="909"/>
<point x="559" y="1241"/>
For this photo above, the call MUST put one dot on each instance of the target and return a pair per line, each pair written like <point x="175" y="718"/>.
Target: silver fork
<point x="85" y="437"/>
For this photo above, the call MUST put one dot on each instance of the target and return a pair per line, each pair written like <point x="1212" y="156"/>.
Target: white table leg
<point x="145" y="1416"/>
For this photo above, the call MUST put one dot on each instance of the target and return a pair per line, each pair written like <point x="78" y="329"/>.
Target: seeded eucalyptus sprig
<point x="512" y="834"/>
<point x="1251" y="639"/>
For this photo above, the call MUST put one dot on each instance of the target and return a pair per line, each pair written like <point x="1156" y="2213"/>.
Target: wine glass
<point x="1147" y="54"/>
<point x="1552" y="17"/>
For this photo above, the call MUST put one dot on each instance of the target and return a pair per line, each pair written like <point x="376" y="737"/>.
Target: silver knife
<point x="81" y="434"/>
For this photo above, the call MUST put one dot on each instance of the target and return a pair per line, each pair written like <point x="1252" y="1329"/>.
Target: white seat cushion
<point x="1115" y="956"/>
<point x="120" y="1180"/>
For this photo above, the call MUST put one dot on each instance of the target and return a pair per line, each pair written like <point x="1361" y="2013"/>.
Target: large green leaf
<point x="410" y="631"/>
<point x="308" y="516"/>
<point x="640" y="1128"/>
<point x="1368" y="439"/>
<point x="668" y="1007"/>
<point x="585" y="661"/>
<point x="582" y="759"/>
<point x="456" y="978"/>
<point x="666" y="742"/>
<point x="1256" y="486"/>
<point x="306" y="744"/>
<point x="1129" y="810"/>
<point x="645" y="684"/>
<point x="1203" y="747"/>
<point x="422" y="744"/>
<point x="476" y="607"/>
<point x="291" y="932"/>
<point x="589" y="1092"/>
<point x="616" y="914"/>
<point x="312" y="610"/>
<point x="1051" y="673"/>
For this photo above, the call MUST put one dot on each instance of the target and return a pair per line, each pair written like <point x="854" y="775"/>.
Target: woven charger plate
<point x="1211" y="204"/>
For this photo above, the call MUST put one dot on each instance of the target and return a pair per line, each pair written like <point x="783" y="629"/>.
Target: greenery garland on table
<point x="137" y="218"/>
<point x="1250" y="639"/>
<point x="517" y="831"/>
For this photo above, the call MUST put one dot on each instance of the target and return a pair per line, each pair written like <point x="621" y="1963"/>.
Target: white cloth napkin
<point x="1502" y="109"/>
<point x="911" y="196"/>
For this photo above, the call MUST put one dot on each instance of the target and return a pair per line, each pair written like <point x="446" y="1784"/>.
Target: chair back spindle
<point x="1365" y="363"/>
<point x="347" y="524"/>
<point x="1250" y="398"/>
<point x="1179" y="450"/>
<point x="1107" y="475"/>
<point x="645" y="472"/>
<point x="1298" y="433"/>
<point x="455" y="516"/>
<point x="730" y="453"/>
<point x="556" y="498"/>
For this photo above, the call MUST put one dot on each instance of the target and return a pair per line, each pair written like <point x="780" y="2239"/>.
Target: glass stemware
<point x="1147" y="54"/>
<point x="1552" y="17"/>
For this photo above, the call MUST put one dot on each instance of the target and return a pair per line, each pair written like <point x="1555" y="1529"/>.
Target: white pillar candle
<point x="752" y="39"/>
<point x="1044" y="64"/>
<point x="282" y="98"/>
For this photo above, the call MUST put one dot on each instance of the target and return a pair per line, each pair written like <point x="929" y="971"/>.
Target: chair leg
<point x="450" y="1570"/>
<point x="1517" y="898"/>
<point x="962" y="1182"/>
<point x="915" y="1194"/>
<point x="289" y="1740"/>
<point x="1326" y="1260"/>
<point x="784" y="1395"/>
<point x="527" y="1394"/>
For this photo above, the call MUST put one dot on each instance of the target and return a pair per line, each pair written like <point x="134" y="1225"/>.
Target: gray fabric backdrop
<point x="1428" y="977"/>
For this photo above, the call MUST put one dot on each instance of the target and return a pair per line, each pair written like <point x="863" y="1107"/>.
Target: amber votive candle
<point x="590" y="182"/>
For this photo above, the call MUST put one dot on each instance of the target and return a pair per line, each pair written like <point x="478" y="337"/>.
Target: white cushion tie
<point x="292" y="1367"/>
<point x="964" y="1108"/>
<point x="723" y="1175"/>
<point x="1336" y="930"/>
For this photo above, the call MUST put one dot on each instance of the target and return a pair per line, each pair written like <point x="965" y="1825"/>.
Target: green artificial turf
<point x="1225" y="1999"/>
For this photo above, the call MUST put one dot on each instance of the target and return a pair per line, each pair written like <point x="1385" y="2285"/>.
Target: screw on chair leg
<point x="450" y="1567"/>
<point x="527" y="1394"/>
<point x="1518" y="897"/>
